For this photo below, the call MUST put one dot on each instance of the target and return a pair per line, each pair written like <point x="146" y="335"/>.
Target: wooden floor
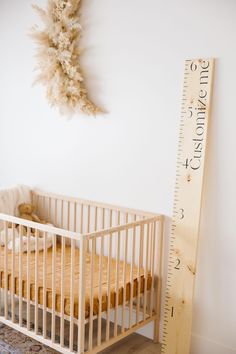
<point x="134" y="344"/>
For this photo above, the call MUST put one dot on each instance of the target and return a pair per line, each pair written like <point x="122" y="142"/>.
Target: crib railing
<point x="85" y="284"/>
<point x="139" y="246"/>
<point x="82" y="215"/>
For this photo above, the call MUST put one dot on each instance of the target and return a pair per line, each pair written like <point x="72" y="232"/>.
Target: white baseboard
<point x="202" y="345"/>
<point x="199" y="344"/>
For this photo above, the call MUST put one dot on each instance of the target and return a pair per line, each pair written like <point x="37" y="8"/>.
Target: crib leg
<point x="156" y="335"/>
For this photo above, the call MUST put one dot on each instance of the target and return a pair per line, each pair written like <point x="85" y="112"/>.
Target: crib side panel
<point x="124" y="282"/>
<point x="81" y="215"/>
<point x="87" y="296"/>
<point x="77" y="216"/>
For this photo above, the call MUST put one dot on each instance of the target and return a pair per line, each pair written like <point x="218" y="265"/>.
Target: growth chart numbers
<point x="195" y="111"/>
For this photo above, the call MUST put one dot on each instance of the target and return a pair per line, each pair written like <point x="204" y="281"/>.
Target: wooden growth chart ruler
<point x="197" y="92"/>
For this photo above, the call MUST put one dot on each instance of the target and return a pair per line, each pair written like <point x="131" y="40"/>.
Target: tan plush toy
<point x="26" y="211"/>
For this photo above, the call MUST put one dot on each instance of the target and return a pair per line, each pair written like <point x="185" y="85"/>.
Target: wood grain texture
<point x="195" y="113"/>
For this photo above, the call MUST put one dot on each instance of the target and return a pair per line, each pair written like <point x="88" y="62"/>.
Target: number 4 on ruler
<point x="196" y="100"/>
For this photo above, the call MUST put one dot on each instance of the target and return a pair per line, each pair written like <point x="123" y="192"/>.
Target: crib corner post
<point x="81" y="319"/>
<point x="159" y="232"/>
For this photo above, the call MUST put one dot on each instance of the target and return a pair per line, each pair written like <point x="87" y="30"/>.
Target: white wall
<point x="133" y="62"/>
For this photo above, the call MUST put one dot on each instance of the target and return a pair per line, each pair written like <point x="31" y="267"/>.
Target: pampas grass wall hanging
<point x="58" y="57"/>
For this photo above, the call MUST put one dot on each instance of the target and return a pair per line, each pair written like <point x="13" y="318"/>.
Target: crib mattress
<point x="67" y="274"/>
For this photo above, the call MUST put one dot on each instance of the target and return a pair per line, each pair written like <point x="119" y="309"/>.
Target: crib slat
<point x="146" y="272"/>
<point x="96" y="225"/>
<point x="62" y="291"/>
<point x="49" y="209"/>
<point x="152" y="268"/>
<point x="36" y="280"/>
<point x="1" y="277"/>
<point x="103" y="218"/>
<point x="81" y="329"/>
<point x="88" y="219"/>
<point x="44" y="207"/>
<point x="81" y="218"/>
<point x="99" y="334"/>
<point x="100" y="288"/>
<point x="109" y="280"/>
<point x="124" y="274"/>
<point x="45" y="285"/>
<point x="91" y="294"/>
<point x="96" y="219"/>
<point x="111" y="218"/>
<point x="13" y="273"/>
<point x="55" y="212"/>
<point x="36" y="203"/>
<point x="6" y="270"/>
<point x="159" y="277"/>
<point x="68" y="216"/>
<point x="108" y="287"/>
<point x="62" y="214"/>
<point x="28" y="278"/>
<point x="72" y="263"/>
<point x="139" y="272"/>
<point x="88" y="224"/>
<point x="20" y="275"/>
<point x="117" y="275"/>
<point x="54" y="253"/>
<point x="75" y="217"/>
<point x="132" y="276"/>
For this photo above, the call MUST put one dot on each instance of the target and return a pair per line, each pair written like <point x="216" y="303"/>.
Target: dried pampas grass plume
<point x="58" y="56"/>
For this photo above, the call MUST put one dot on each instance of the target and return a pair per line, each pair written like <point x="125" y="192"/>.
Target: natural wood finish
<point x="160" y="252"/>
<point x="108" y="288"/>
<point x="81" y="328"/>
<point x="124" y="274"/>
<point x="79" y="201"/>
<point x="20" y="285"/>
<point x="139" y="271"/>
<point x="54" y="252"/>
<point x="72" y="294"/>
<point x="131" y="278"/>
<point x="44" y="285"/>
<point x="6" y="270"/>
<point x="36" y="280"/>
<point x="28" y="278"/>
<point x="99" y="335"/>
<point x="88" y="287"/>
<point x="62" y="290"/>
<point x="146" y="273"/>
<point x="13" y="273"/>
<point x="91" y="295"/>
<point x="196" y="101"/>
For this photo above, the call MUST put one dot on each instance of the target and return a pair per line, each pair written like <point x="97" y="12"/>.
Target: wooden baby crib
<point x="96" y="280"/>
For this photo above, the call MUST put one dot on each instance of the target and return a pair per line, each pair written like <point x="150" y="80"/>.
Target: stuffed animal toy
<point x="26" y="211"/>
